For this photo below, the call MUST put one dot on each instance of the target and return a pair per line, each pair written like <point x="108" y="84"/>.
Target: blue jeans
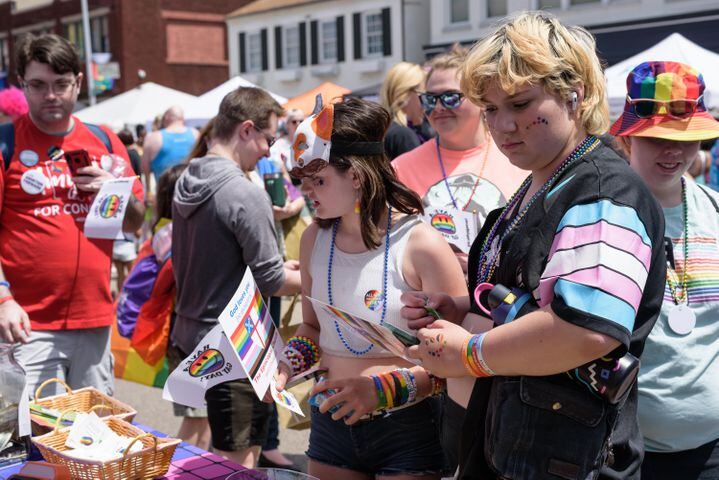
<point x="403" y="442"/>
<point x="701" y="463"/>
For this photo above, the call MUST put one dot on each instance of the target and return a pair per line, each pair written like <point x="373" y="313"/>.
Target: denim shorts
<point x="402" y="442"/>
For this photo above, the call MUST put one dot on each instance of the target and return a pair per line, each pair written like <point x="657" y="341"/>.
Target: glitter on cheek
<point x="538" y="121"/>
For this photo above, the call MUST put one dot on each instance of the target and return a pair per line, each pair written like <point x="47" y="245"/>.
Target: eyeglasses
<point x="60" y="87"/>
<point x="268" y="138"/>
<point x="648" y="107"/>
<point x="449" y="100"/>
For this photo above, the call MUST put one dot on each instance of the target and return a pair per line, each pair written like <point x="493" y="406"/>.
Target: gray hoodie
<point x="222" y="223"/>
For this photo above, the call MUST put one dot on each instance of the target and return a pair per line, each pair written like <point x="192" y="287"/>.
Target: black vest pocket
<point x="544" y="428"/>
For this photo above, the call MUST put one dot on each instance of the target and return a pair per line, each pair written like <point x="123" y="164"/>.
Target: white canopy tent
<point x="208" y="103"/>
<point x="675" y="48"/>
<point x="137" y="106"/>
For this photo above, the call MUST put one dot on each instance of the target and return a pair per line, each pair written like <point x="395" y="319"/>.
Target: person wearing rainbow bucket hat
<point x="371" y="417"/>
<point x="663" y="123"/>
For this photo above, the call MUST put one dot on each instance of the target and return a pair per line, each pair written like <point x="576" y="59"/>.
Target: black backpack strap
<point x="711" y="199"/>
<point x="101" y="134"/>
<point x="7" y="143"/>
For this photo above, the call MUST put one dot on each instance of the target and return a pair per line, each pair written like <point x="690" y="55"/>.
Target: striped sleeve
<point x="597" y="267"/>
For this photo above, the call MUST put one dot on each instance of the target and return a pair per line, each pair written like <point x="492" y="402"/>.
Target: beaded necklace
<point x="335" y="226"/>
<point x="487" y="266"/>
<point x="479" y="178"/>
<point x="680" y="296"/>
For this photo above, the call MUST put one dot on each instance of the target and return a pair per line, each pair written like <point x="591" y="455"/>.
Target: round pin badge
<point x="106" y="162"/>
<point x="29" y="158"/>
<point x="32" y="182"/>
<point x="681" y="319"/>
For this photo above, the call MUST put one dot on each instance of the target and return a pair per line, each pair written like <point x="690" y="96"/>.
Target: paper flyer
<point x="285" y="399"/>
<point x="459" y="228"/>
<point x="373" y="332"/>
<point x="255" y="341"/>
<point x="104" y="220"/>
<point x="212" y="362"/>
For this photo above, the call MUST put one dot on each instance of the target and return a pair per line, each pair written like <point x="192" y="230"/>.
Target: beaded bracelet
<point x="301" y="353"/>
<point x="473" y="360"/>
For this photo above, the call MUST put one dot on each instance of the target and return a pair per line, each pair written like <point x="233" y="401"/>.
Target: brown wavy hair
<point x="357" y="120"/>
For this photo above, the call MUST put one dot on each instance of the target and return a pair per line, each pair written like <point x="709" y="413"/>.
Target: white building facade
<point x="290" y="47"/>
<point x="622" y="27"/>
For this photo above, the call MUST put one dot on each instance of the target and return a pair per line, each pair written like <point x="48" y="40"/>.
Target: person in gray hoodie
<point x="222" y="224"/>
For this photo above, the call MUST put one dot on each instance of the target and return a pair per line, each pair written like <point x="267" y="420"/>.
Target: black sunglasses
<point x="269" y="138"/>
<point x="449" y="100"/>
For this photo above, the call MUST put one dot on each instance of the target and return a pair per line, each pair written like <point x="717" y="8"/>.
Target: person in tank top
<point x="365" y="249"/>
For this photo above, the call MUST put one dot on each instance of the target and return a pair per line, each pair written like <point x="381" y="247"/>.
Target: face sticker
<point x="538" y="121"/>
<point x="32" y="182"/>
<point x="29" y="158"/>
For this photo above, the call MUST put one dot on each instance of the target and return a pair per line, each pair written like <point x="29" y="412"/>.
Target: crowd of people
<point x="576" y="339"/>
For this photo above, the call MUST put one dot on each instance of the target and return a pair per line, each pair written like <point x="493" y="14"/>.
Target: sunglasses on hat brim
<point x="679" y="109"/>
<point x="449" y="100"/>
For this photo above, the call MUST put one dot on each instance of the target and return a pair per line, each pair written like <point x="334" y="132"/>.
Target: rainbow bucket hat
<point x="666" y="100"/>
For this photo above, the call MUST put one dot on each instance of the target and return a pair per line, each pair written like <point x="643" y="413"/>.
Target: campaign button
<point x="32" y="182"/>
<point x="29" y="158"/>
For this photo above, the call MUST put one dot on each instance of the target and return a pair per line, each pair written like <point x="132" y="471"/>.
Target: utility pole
<point x="88" y="52"/>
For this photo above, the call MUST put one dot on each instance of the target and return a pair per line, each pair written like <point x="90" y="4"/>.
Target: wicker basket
<point x="81" y="401"/>
<point x="150" y="462"/>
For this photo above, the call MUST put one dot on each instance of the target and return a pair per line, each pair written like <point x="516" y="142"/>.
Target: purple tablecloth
<point x="188" y="463"/>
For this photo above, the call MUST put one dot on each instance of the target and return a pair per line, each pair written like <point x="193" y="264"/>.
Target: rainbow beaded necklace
<point x="487" y="266"/>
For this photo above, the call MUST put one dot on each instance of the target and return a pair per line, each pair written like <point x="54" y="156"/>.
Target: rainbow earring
<point x="357" y="206"/>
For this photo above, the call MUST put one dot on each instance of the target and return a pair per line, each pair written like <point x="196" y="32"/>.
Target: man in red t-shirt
<point x="54" y="281"/>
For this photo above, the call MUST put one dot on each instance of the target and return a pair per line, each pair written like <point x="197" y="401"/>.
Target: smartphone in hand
<point x="77" y="159"/>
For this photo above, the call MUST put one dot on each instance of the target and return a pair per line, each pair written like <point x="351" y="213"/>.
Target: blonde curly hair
<point x="534" y="48"/>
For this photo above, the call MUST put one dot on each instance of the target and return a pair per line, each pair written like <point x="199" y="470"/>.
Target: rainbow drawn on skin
<point x="373" y="299"/>
<point x="209" y="362"/>
<point x="538" y="121"/>
<point x="250" y="339"/>
<point x="444" y="223"/>
<point x="110" y="206"/>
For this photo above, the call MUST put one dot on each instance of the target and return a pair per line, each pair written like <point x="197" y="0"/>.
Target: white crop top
<point x="356" y="288"/>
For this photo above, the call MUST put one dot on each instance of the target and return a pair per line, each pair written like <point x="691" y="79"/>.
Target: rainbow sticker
<point x="209" y="362"/>
<point x="87" y="441"/>
<point x="444" y="223"/>
<point x="373" y="299"/>
<point x="110" y="206"/>
<point x="281" y="397"/>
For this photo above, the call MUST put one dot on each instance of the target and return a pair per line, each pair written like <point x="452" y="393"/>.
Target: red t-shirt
<point x="58" y="275"/>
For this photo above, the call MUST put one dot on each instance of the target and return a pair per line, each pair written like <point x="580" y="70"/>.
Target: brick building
<point x="178" y="43"/>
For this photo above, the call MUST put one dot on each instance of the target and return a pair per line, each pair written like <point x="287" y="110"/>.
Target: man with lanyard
<point x="54" y="281"/>
<point x="461" y="170"/>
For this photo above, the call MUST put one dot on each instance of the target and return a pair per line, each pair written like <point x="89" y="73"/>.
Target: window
<point x="373" y="34"/>
<point x="496" y="8"/>
<point x="254" y="52"/>
<point x="547" y="4"/>
<point x="328" y="41"/>
<point x="458" y="11"/>
<point x="100" y="34"/>
<point x="292" y="46"/>
<point x="4" y="55"/>
<point x="74" y="33"/>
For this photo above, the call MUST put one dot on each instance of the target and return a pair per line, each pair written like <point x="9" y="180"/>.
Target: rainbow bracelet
<point x="473" y="360"/>
<point x="301" y="353"/>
